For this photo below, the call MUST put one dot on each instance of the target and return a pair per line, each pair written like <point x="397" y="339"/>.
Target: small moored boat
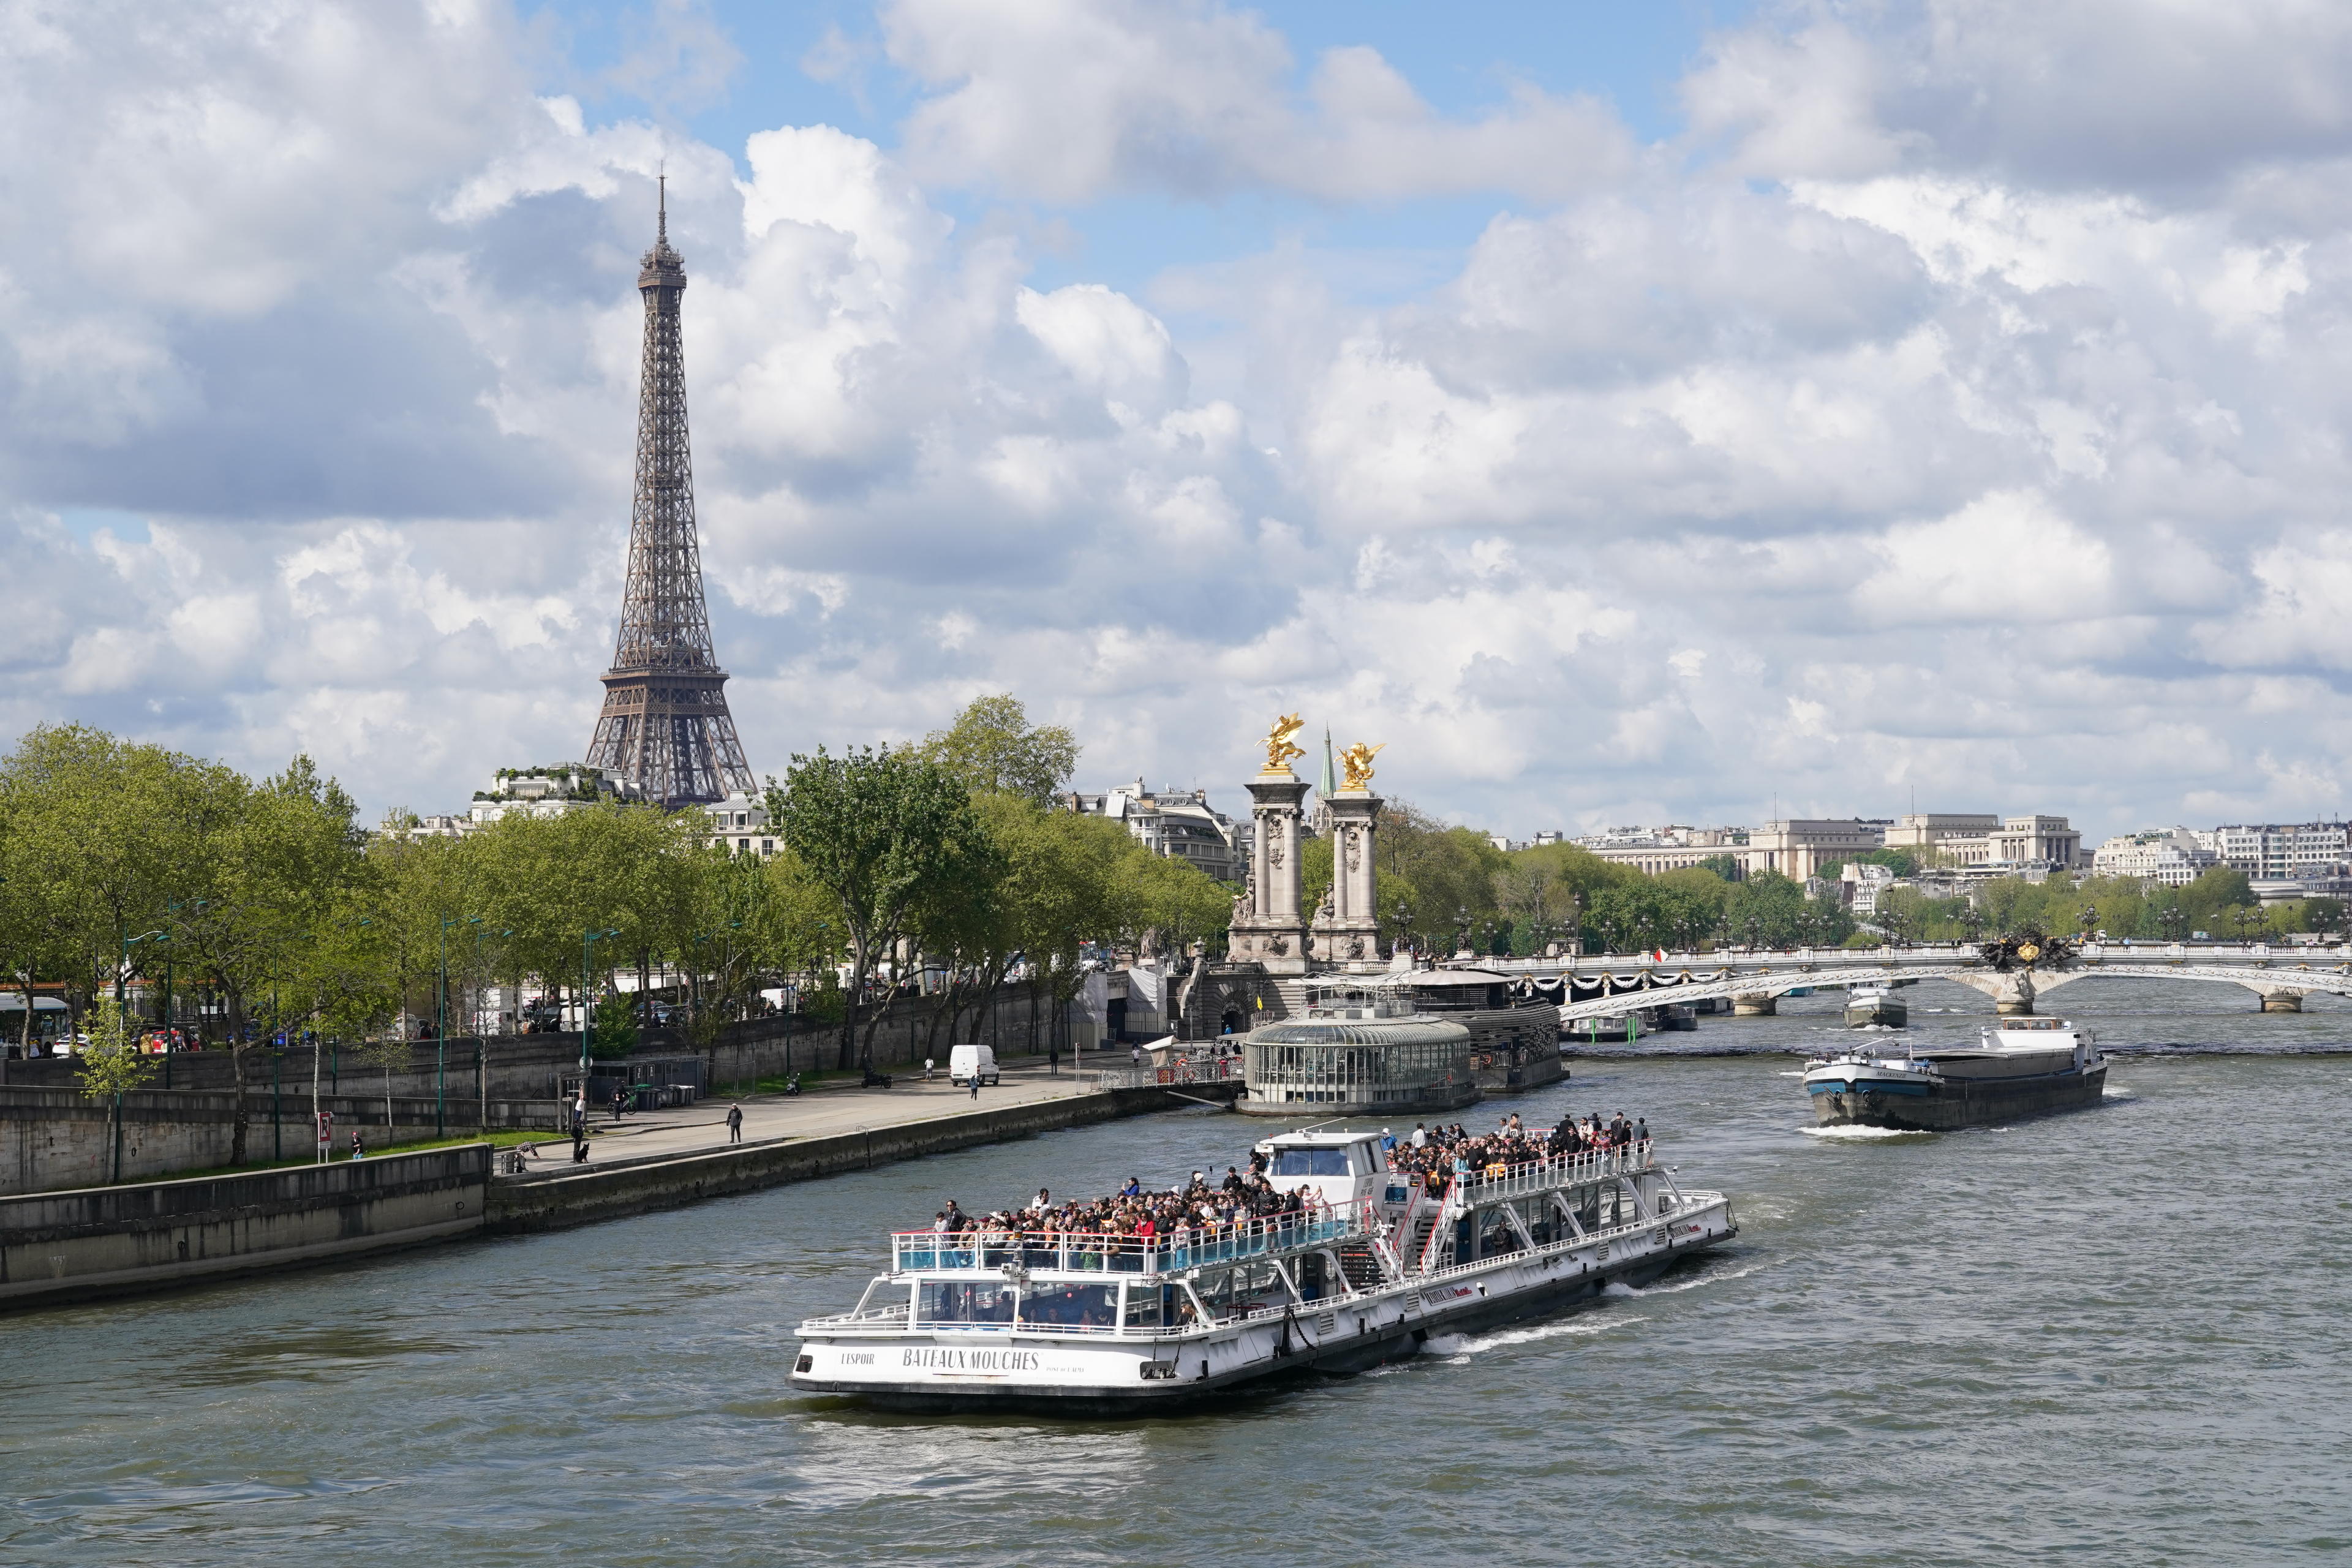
<point x="1874" y="1006"/>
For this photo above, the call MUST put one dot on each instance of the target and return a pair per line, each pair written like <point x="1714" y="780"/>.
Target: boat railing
<point x="1690" y="1203"/>
<point x="1544" y="1175"/>
<point x="1088" y="1251"/>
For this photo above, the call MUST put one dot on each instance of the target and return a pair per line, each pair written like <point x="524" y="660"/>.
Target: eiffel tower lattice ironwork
<point x="665" y="724"/>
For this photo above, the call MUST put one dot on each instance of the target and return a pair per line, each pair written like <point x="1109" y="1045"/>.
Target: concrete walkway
<point x="815" y="1114"/>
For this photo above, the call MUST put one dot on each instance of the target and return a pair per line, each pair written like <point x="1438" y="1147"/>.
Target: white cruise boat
<point x="2020" y="1067"/>
<point x="1100" y="1324"/>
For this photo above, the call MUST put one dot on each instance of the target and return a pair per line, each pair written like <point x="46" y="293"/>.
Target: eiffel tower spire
<point x="665" y="725"/>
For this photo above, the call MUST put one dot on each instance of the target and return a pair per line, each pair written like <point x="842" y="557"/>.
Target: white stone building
<point x="1176" y="823"/>
<point x="1655" y="850"/>
<point x="1862" y="883"/>
<point x="740" y="823"/>
<point x="2171" y="856"/>
<point x="1798" y="848"/>
<point x="2273" y="851"/>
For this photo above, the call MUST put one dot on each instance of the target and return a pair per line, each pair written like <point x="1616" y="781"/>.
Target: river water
<point x="2115" y="1337"/>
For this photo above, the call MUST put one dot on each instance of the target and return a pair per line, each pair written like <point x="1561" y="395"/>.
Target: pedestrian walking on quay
<point x="620" y="1100"/>
<point x="975" y="1083"/>
<point x="359" y="1150"/>
<point x="734" y="1124"/>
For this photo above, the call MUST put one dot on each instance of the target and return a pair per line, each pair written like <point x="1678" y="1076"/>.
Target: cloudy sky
<point x="1624" y="412"/>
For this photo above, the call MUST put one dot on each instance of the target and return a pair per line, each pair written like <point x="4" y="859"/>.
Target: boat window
<point x="1155" y="1306"/>
<point x="952" y="1301"/>
<point x="886" y="1296"/>
<point x="1059" y="1306"/>
<point x="1311" y="1162"/>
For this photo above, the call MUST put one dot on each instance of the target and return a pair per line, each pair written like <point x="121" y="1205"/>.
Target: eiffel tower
<point x="665" y="725"/>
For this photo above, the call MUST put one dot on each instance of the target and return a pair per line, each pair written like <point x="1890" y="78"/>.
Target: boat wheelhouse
<point x="1377" y="1260"/>
<point x="2020" y="1067"/>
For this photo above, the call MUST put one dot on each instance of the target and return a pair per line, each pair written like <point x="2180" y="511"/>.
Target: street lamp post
<point x="441" y="1033"/>
<point x="481" y="1041"/>
<point x="588" y="939"/>
<point x="122" y="975"/>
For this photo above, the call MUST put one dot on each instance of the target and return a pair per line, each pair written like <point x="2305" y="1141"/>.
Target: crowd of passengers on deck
<point x="1441" y="1155"/>
<point x="1119" y="1230"/>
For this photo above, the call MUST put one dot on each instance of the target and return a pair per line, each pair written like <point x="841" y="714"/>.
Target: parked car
<point x="966" y="1062"/>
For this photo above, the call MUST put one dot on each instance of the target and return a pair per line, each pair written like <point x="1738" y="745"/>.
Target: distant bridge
<point x="2282" y="977"/>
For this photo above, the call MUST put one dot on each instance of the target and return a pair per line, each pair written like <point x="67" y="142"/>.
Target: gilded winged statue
<point x="1356" y="763"/>
<point x="1278" y="749"/>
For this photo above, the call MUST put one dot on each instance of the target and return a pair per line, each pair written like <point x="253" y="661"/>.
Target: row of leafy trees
<point x="1445" y="887"/>
<point x="121" y="861"/>
<point x="2220" y="903"/>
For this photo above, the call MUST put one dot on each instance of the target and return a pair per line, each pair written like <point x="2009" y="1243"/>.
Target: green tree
<point x="872" y="829"/>
<point x="269" y="861"/>
<point x="111" y="1065"/>
<point x="1443" y="878"/>
<point x="995" y="749"/>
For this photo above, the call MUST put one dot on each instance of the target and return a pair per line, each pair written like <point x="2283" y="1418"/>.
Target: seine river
<point x="2117" y="1337"/>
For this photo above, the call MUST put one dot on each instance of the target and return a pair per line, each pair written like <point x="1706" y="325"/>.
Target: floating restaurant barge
<point x="1377" y="1262"/>
<point x="1414" y="1043"/>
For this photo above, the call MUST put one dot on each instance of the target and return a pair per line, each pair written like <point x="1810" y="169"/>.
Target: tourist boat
<point x="1876" y="1006"/>
<point x="1377" y="1262"/>
<point x="2021" y="1067"/>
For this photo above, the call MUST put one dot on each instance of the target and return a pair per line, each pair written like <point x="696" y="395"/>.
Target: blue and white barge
<point x="2020" y="1067"/>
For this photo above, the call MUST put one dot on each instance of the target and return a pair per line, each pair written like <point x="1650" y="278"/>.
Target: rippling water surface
<point x="2116" y="1337"/>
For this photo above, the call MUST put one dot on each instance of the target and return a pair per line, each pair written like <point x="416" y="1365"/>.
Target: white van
<point x="968" y="1062"/>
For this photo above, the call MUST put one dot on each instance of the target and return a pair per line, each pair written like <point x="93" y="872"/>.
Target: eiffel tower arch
<point x="665" y="725"/>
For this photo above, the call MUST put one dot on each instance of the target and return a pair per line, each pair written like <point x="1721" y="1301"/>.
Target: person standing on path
<point x="975" y="1083"/>
<point x="734" y="1124"/>
<point x="620" y="1100"/>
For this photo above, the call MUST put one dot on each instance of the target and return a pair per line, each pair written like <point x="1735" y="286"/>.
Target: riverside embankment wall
<point x="68" y="1245"/>
<point x="529" y="1066"/>
<point x="571" y="1195"/>
<point x="57" y="1139"/>
<point x="65" y="1247"/>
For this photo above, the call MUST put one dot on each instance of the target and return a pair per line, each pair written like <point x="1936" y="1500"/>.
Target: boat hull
<point x="1350" y="1336"/>
<point x="1944" y="1104"/>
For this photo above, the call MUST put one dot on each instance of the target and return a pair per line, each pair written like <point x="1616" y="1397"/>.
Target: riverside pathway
<point x="816" y="1113"/>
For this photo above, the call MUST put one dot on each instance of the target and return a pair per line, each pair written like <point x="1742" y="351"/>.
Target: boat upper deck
<point x="991" y="1248"/>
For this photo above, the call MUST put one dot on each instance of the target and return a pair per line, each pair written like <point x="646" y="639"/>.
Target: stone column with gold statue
<point x="1348" y="926"/>
<point x="1272" y="931"/>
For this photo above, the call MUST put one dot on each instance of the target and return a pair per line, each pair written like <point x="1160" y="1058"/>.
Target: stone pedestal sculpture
<point x="1272" y="931"/>
<point x="1346" y="927"/>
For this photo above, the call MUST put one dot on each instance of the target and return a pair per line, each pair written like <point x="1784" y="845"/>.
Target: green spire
<point x="1328" y="784"/>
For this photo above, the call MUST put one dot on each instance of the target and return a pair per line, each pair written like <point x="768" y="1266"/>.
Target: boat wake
<point x="1861" y="1134"/>
<point x="1457" y="1349"/>
<point x="1618" y="1288"/>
